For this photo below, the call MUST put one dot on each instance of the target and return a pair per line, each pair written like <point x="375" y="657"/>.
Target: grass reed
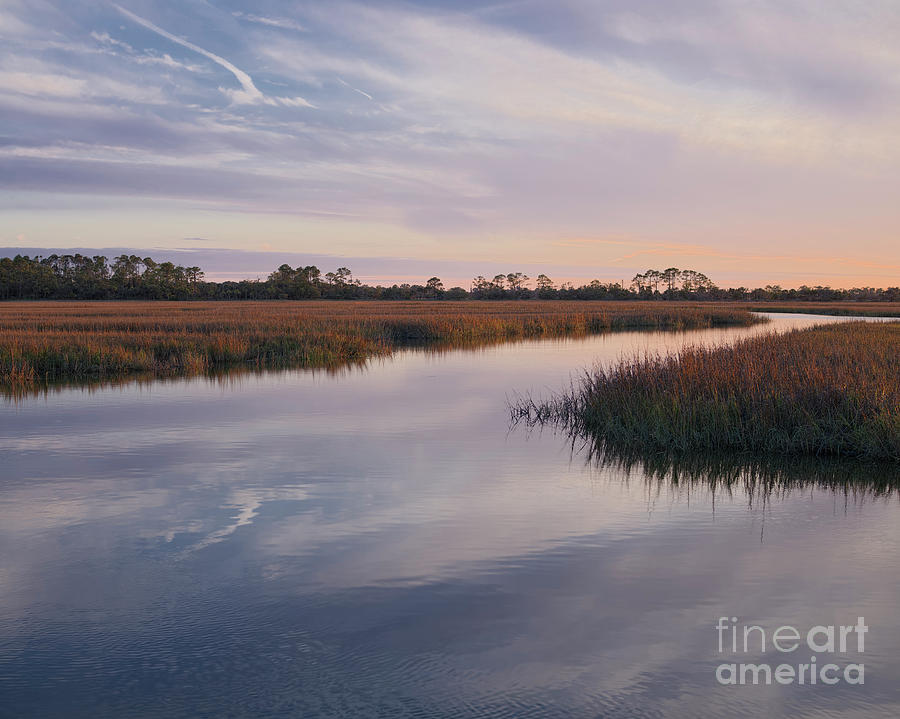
<point x="843" y="309"/>
<point x="826" y="390"/>
<point x="43" y="342"/>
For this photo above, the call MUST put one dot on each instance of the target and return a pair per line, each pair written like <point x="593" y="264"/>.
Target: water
<point x="380" y="543"/>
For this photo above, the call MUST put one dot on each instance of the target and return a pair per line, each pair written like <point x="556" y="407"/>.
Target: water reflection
<point x="378" y="543"/>
<point x="759" y="478"/>
<point x="222" y="377"/>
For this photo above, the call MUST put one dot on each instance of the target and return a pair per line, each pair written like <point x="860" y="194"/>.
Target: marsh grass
<point x="46" y="342"/>
<point x="841" y="309"/>
<point x="826" y="390"/>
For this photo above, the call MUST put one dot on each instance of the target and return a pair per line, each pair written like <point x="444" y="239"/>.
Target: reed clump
<point x="826" y="390"/>
<point x="69" y="341"/>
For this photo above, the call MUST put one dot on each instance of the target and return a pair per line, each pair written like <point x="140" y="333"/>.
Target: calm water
<point x="380" y="543"/>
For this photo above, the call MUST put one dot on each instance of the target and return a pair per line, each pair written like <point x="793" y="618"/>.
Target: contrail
<point x="252" y="92"/>
<point x="241" y="76"/>
<point x="355" y="89"/>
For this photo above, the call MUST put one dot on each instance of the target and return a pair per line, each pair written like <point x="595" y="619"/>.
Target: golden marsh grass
<point x="826" y="390"/>
<point x="44" y="342"/>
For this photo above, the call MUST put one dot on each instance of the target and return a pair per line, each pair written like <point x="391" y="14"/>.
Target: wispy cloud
<point x="120" y="48"/>
<point x="41" y="81"/>
<point x="104" y="38"/>
<point x="279" y="22"/>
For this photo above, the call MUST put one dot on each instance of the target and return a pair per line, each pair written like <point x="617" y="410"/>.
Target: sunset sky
<point x="756" y="141"/>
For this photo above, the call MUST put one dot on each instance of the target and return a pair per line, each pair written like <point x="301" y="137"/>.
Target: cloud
<point x="283" y="23"/>
<point x="487" y="133"/>
<point x="39" y="82"/>
<point x="113" y="45"/>
<point x="248" y="94"/>
<point x="31" y="83"/>
<point x="499" y="82"/>
<point x="828" y="55"/>
<point x="104" y="38"/>
<point x="12" y="25"/>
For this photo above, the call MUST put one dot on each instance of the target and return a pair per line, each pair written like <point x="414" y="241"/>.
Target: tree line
<point x="131" y="277"/>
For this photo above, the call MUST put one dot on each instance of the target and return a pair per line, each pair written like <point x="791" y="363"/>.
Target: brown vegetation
<point x="826" y="390"/>
<point x="52" y="341"/>
<point x="844" y="309"/>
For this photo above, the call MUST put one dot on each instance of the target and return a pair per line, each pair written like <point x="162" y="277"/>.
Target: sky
<point x="753" y="140"/>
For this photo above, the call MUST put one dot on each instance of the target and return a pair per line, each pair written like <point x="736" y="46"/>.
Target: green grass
<point x="828" y="390"/>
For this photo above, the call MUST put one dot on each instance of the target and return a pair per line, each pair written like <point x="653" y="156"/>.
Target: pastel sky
<point x="754" y="140"/>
